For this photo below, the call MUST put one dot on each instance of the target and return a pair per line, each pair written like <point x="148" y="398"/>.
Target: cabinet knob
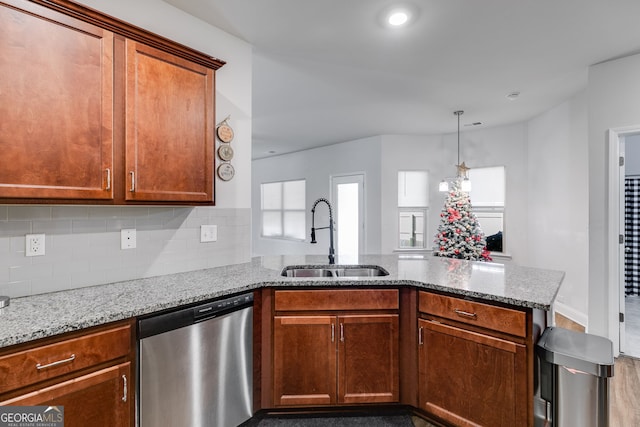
<point x="108" y="179"/>
<point x="133" y="181"/>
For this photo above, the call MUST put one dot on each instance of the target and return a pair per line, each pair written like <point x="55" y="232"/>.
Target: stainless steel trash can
<point x="574" y="377"/>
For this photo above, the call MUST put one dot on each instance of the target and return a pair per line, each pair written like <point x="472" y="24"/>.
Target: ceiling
<point x="329" y="71"/>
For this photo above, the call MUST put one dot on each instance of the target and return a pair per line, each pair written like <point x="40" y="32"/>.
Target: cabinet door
<point x="169" y="127"/>
<point x="368" y="359"/>
<point x="56" y="105"/>
<point x="467" y="378"/>
<point x="99" y="399"/>
<point x="304" y="360"/>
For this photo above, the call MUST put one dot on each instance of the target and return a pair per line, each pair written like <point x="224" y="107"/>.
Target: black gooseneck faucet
<point x="330" y="227"/>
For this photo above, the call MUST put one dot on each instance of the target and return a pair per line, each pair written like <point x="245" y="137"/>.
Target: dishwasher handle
<point x="204" y="312"/>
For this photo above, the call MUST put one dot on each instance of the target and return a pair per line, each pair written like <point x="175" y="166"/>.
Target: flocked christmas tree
<point x="459" y="234"/>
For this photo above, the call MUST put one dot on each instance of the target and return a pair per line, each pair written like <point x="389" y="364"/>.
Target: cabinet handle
<point x="133" y="181"/>
<point x="465" y="314"/>
<point x="59" y="362"/>
<point x="124" y="391"/>
<point x="108" y="179"/>
<point x="421" y="335"/>
<point x="333" y="332"/>
<point x="341" y="332"/>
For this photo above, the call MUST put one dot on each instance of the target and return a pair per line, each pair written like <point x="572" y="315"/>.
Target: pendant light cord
<point x="458" y="113"/>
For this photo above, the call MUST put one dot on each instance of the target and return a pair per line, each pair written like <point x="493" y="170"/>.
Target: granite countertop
<point x="39" y="316"/>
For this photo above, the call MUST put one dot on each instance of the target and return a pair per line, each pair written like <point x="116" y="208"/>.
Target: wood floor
<point x="624" y="397"/>
<point x="632" y="321"/>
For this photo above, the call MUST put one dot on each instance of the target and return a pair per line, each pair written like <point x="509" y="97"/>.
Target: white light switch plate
<point x="128" y="238"/>
<point x="34" y="245"/>
<point x="208" y="233"/>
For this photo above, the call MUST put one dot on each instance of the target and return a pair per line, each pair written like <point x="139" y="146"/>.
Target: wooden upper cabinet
<point x="56" y="107"/>
<point x="169" y="127"/>
<point x="96" y="110"/>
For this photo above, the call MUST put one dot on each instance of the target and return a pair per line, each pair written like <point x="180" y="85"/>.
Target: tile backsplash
<point x="83" y="244"/>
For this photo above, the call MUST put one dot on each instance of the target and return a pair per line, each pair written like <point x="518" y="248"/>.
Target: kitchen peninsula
<point x="490" y="310"/>
<point x="44" y="315"/>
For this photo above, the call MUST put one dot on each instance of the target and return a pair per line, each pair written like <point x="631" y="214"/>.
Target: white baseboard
<point x="571" y="313"/>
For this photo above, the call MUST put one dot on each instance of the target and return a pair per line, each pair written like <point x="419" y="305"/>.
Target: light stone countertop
<point x="39" y="316"/>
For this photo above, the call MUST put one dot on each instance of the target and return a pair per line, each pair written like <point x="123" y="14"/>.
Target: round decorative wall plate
<point x="226" y="171"/>
<point x="225" y="152"/>
<point x="225" y="133"/>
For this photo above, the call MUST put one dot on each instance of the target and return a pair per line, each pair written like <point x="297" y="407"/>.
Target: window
<point x="487" y="201"/>
<point x="283" y="209"/>
<point x="412" y="228"/>
<point x="413" y="203"/>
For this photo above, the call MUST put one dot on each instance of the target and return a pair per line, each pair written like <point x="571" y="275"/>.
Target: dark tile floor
<point x="397" y="420"/>
<point x="378" y="421"/>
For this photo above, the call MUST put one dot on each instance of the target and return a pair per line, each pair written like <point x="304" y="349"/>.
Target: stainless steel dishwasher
<point x="195" y="365"/>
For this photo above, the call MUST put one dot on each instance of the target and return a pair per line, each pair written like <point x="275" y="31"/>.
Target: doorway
<point x="624" y="240"/>
<point x="630" y="328"/>
<point x="347" y="194"/>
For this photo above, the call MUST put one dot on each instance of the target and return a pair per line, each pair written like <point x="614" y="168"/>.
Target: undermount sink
<point x="338" y="271"/>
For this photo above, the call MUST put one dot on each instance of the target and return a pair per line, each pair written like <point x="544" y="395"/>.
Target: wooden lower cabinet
<point x="90" y="373"/>
<point x="304" y="367"/>
<point x="368" y="359"/>
<point x="470" y="379"/>
<point x="327" y="360"/>
<point x="98" y="399"/>
<point x="455" y="361"/>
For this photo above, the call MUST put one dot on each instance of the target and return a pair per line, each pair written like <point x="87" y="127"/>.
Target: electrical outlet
<point x="208" y="233"/>
<point x="128" y="238"/>
<point x="34" y="245"/>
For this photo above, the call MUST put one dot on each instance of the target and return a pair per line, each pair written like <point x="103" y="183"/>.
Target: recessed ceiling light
<point x="398" y="18"/>
<point x="513" y="96"/>
<point x="271" y="152"/>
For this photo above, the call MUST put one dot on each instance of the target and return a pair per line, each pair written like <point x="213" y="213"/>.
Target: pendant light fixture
<point x="465" y="184"/>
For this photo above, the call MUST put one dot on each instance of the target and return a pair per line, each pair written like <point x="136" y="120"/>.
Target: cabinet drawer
<point x="337" y="299"/>
<point x="474" y="313"/>
<point x="41" y="363"/>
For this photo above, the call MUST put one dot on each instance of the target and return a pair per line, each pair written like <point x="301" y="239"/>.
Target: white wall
<point x="317" y="166"/>
<point x="558" y="194"/>
<point x="83" y="242"/>
<point x="613" y="102"/>
<point x="499" y="146"/>
<point x="406" y="152"/>
<point x="502" y="146"/>
<point x="381" y="158"/>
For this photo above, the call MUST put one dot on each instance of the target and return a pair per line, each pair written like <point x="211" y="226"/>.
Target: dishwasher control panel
<point x="163" y="322"/>
<point x="220" y="306"/>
